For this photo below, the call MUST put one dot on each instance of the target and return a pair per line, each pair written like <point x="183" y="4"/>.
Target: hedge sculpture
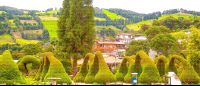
<point x="124" y="72"/>
<point x="149" y="71"/>
<point x="161" y="64"/>
<point x="93" y="69"/>
<point x="188" y="74"/>
<point x="84" y="68"/>
<point x="52" y="68"/>
<point x="9" y="71"/>
<point x="67" y="65"/>
<point x="29" y="59"/>
<point x="104" y="74"/>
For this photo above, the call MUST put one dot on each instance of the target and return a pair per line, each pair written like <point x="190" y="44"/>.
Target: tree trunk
<point x="74" y="67"/>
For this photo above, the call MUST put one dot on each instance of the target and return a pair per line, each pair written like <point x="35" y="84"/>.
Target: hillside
<point x="113" y="16"/>
<point x="11" y="10"/>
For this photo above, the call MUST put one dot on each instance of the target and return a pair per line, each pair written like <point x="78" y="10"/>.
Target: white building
<point x="140" y="38"/>
<point x="125" y="38"/>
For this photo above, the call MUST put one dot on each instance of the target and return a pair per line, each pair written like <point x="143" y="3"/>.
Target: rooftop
<point x="123" y="34"/>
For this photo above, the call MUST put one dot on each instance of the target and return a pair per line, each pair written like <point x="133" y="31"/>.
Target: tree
<point x="135" y="46"/>
<point x="170" y="22"/>
<point x="154" y="30"/>
<point x="156" y="22"/>
<point x="187" y="23"/>
<point x="76" y="31"/>
<point x="162" y="43"/>
<point x="144" y="27"/>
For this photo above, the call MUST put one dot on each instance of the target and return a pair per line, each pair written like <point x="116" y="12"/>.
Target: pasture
<point x="2" y="12"/>
<point x="5" y="36"/>
<point x="113" y="16"/>
<point x="48" y="18"/>
<point x="24" y="41"/>
<point x="29" y="21"/>
<point x="100" y="19"/>
<point x="137" y="26"/>
<point x="177" y="15"/>
<point x="51" y="26"/>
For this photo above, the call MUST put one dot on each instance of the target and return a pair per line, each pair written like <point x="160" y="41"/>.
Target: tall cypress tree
<point x="76" y="31"/>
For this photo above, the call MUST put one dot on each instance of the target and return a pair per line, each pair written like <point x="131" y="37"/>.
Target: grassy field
<point x="135" y="26"/>
<point x="24" y="41"/>
<point x="5" y="36"/>
<point x="51" y="26"/>
<point x="177" y="15"/>
<point x="100" y="19"/>
<point x="25" y="12"/>
<point x="5" y="42"/>
<point x="2" y="12"/>
<point x="11" y="21"/>
<point x="112" y="16"/>
<point x="48" y="18"/>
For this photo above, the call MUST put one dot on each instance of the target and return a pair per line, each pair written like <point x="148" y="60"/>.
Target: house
<point x="125" y="38"/>
<point x="108" y="46"/>
<point x="139" y="37"/>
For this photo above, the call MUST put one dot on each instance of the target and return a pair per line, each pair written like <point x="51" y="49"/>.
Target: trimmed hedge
<point x="123" y="69"/>
<point x="84" y="68"/>
<point x="188" y="75"/>
<point x="150" y="72"/>
<point x="104" y="74"/>
<point x="53" y="68"/>
<point x="161" y="64"/>
<point x="67" y="65"/>
<point x="9" y="72"/>
<point x="93" y="70"/>
<point x="29" y="59"/>
<point x="131" y="69"/>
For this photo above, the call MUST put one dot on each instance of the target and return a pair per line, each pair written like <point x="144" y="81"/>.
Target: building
<point x="108" y="46"/>
<point x="140" y="37"/>
<point x="124" y="38"/>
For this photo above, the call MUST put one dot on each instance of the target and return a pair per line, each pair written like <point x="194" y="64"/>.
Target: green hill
<point x="100" y="19"/>
<point x="5" y="36"/>
<point x="177" y="15"/>
<point x="51" y="26"/>
<point x="113" y="16"/>
<point x="2" y="12"/>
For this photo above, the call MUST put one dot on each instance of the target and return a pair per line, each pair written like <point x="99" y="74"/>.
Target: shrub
<point x="84" y="68"/>
<point x="29" y="59"/>
<point x="9" y="72"/>
<point x="188" y="75"/>
<point x="67" y="65"/>
<point x="161" y="65"/>
<point x="122" y="71"/>
<point x="52" y="67"/>
<point x="104" y="74"/>
<point x="19" y="60"/>
<point x="115" y="70"/>
<point x="150" y="72"/>
<point x="95" y="83"/>
<point x="93" y="70"/>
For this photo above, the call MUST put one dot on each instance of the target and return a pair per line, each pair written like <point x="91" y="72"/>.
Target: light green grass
<point x="135" y="26"/>
<point x="54" y="11"/>
<point x="5" y="42"/>
<point x="2" y="12"/>
<point x="113" y="16"/>
<point x="24" y="41"/>
<point x="5" y="36"/>
<point x="112" y="27"/>
<point x="25" y="12"/>
<point x="48" y="18"/>
<point x="100" y="19"/>
<point x="51" y="26"/>
<point x="177" y="15"/>
<point x="11" y="21"/>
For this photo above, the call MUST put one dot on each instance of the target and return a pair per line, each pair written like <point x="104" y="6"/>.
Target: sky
<point x="140" y="6"/>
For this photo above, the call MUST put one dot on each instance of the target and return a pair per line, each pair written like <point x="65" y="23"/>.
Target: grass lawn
<point x="100" y="19"/>
<point x="2" y="12"/>
<point x="135" y="26"/>
<point x="51" y="26"/>
<point x="113" y="16"/>
<point x="48" y="18"/>
<point x="24" y="41"/>
<point x="5" y="36"/>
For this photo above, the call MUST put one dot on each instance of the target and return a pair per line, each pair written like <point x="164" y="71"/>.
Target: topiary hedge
<point x="188" y="74"/>
<point x="123" y="69"/>
<point x="104" y="74"/>
<point x="67" y="65"/>
<point x="53" y="68"/>
<point x="161" y="64"/>
<point x="127" y="77"/>
<point x="150" y="72"/>
<point x="93" y="70"/>
<point x="9" y="72"/>
<point x="29" y="59"/>
<point x="84" y="68"/>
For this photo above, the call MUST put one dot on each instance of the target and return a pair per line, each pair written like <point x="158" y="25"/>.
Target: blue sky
<point x="140" y="6"/>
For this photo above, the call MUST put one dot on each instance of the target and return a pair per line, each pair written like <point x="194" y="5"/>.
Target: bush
<point x="150" y="72"/>
<point x="122" y="71"/>
<point x="22" y="65"/>
<point x="67" y="65"/>
<point x="93" y="70"/>
<point x="84" y="68"/>
<point x="52" y="67"/>
<point x="95" y="83"/>
<point x="188" y="75"/>
<point x="19" y="60"/>
<point x="104" y="74"/>
<point x="115" y="70"/>
<point x="161" y="65"/>
<point x="9" y="72"/>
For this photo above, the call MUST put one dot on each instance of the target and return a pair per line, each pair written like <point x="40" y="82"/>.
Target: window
<point x="107" y="46"/>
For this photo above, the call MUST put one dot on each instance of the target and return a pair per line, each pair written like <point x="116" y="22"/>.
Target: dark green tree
<point x="76" y="31"/>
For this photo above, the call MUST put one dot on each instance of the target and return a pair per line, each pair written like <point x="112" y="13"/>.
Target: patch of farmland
<point x="18" y="35"/>
<point x="48" y="18"/>
<point x="29" y="21"/>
